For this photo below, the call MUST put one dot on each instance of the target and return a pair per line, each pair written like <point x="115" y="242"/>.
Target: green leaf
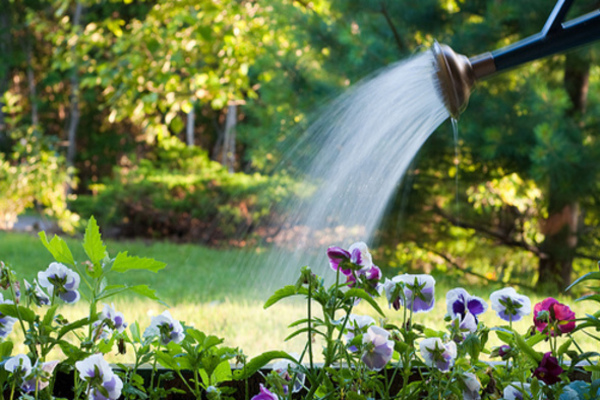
<point x="74" y="325"/>
<point x="74" y="353"/>
<point x="49" y="317"/>
<point x="361" y="294"/>
<point x="6" y="349"/>
<point x="527" y="349"/>
<point x="135" y="332"/>
<point x="145" y="291"/>
<point x="260" y="361"/>
<point x="222" y="373"/>
<point x="284" y="292"/>
<point x="58" y="248"/>
<point x="593" y="297"/>
<point x="564" y="347"/>
<point x="92" y="242"/>
<point x="124" y="263"/>
<point x="14" y="311"/>
<point x="590" y="275"/>
<point x="167" y="360"/>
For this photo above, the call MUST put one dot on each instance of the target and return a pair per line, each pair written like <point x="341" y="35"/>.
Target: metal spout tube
<point x="457" y="73"/>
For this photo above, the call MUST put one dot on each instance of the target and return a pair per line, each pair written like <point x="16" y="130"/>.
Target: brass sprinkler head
<point x="457" y="75"/>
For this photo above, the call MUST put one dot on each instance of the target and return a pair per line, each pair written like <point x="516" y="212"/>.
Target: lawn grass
<point x="207" y="288"/>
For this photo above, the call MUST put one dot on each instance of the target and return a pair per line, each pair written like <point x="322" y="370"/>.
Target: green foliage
<point x="180" y="192"/>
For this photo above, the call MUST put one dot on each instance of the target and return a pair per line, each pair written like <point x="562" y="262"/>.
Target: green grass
<point x="212" y="290"/>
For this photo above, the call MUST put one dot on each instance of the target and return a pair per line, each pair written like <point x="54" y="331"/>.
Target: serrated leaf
<point x="72" y="352"/>
<point x="285" y="292"/>
<point x="14" y="311"/>
<point x="92" y="242"/>
<point x="124" y="263"/>
<point x="260" y="361"/>
<point x="145" y="291"/>
<point x="58" y="248"/>
<point x="361" y="294"/>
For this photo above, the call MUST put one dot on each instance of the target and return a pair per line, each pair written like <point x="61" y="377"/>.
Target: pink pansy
<point x="551" y="312"/>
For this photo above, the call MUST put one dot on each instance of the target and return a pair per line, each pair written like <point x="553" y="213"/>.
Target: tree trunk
<point x="228" y="149"/>
<point x="561" y="227"/>
<point x="74" y="98"/>
<point x="31" y="81"/>
<point x="189" y="127"/>
<point x="6" y="51"/>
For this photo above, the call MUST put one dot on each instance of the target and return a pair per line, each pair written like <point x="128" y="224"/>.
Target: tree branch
<point x="505" y="240"/>
<point x="389" y="21"/>
<point x="470" y="272"/>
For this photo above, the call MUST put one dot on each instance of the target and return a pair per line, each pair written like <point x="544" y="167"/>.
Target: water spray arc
<point x="457" y="73"/>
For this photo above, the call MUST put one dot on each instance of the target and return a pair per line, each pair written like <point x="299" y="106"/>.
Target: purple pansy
<point x="109" y="320"/>
<point x="357" y="325"/>
<point x="509" y="305"/>
<point x="464" y="307"/>
<point x="100" y="378"/>
<point x="60" y="280"/>
<point x="264" y="394"/>
<point x="417" y="291"/>
<point x="438" y="354"/>
<point x="549" y="370"/>
<point x="357" y="257"/>
<point x="378" y="348"/>
<point x="166" y="328"/>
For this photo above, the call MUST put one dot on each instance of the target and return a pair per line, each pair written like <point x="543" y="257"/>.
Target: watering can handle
<point x="556" y="36"/>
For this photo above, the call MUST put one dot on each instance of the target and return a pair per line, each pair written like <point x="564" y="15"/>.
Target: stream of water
<point x="358" y="151"/>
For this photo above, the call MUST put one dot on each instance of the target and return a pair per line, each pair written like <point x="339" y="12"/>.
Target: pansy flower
<point x="378" y="348"/>
<point x="6" y="322"/>
<point x="282" y="368"/>
<point x="357" y="257"/>
<point x="61" y="281"/>
<point x="516" y="391"/>
<point x="33" y="378"/>
<point x="101" y="379"/>
<point x="551" y="314"/>
<point x="464" y="307"/>
<point x="357" y="324"/>
<point x="415" y="292"/>
<point x="549" y="370"/>
<point x="509" y="305"/>
<point x="472" y="386"/>
<point x="166" y="328"/>
<point x="265" y="394"/>
<point x="40" y="375"/>
<point x="438" y="354"/>
<point x="36" y="294"/>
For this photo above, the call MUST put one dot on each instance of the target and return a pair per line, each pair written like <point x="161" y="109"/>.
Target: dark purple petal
<point x="458" y="307"/>
<point x="70" y="296"/>
<point x="476" y="306"/>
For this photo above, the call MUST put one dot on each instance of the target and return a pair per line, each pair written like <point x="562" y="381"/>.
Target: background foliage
<point x="167" y="119"/>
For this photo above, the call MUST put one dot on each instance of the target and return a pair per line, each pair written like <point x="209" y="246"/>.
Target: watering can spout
<point x="457" y="73"/>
